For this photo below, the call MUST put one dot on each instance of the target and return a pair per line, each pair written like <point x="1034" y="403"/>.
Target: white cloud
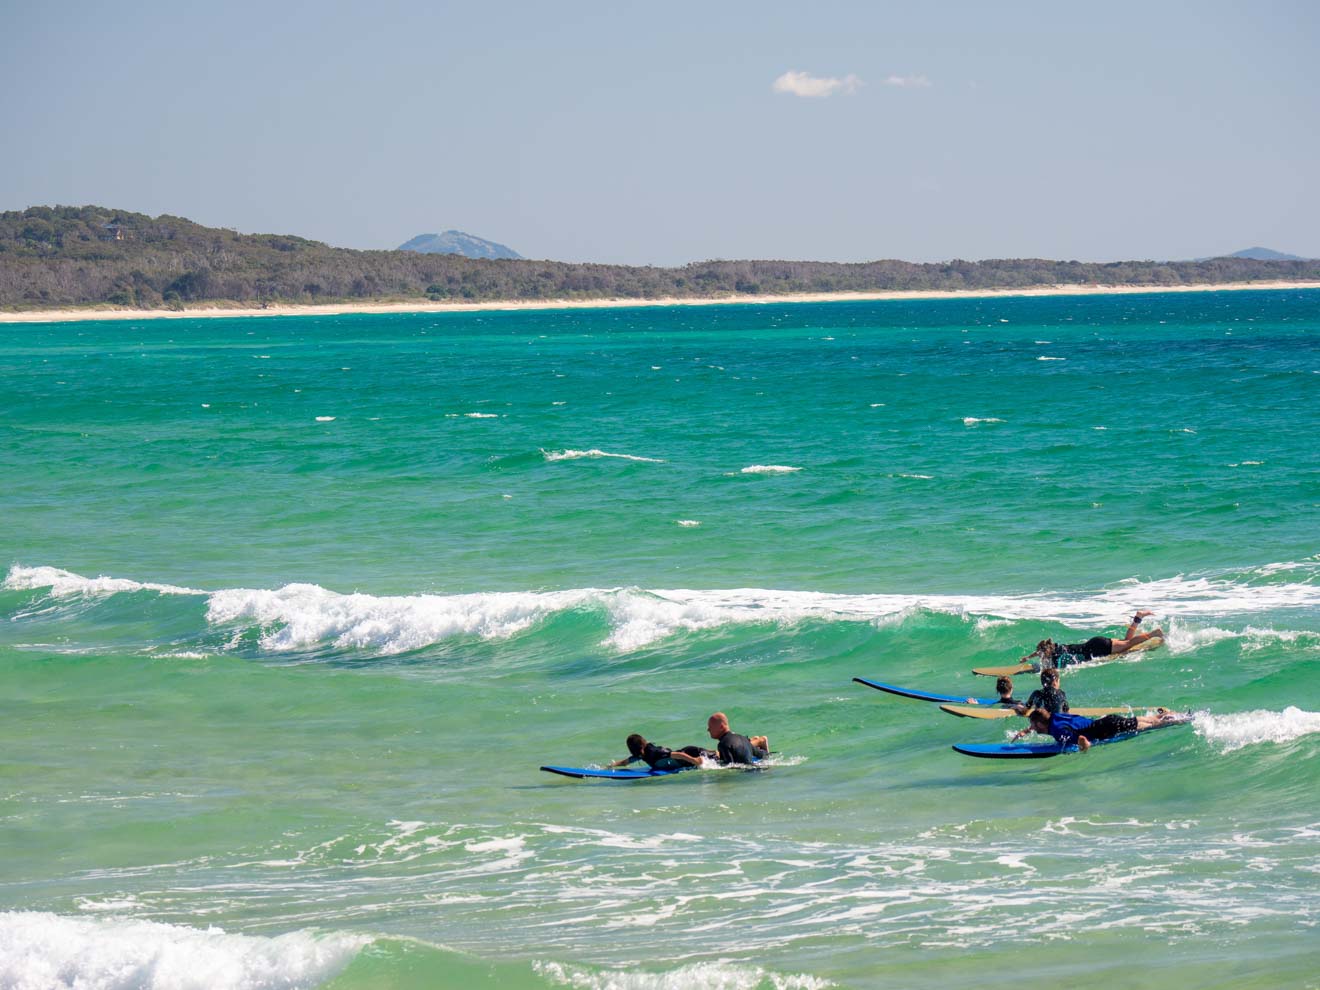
<point x="805" y="84"/>
<point x="907" y="82"/>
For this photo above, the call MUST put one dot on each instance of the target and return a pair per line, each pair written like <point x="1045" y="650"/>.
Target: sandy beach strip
<point x="343" y="309"/>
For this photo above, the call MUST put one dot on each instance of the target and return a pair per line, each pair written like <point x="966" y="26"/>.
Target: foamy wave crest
<point x="574" y="455"/>
<point x="1230" y="732"/>
<point x="972" y="420"/>
<point x="697" y="976"/>
<point x="769" y="469"/>
<point x="66" y="584"/>
<point x="302" y="615"/>
<point x="42" y="950"/>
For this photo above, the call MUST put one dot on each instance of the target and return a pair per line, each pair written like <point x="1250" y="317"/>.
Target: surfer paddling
<point x="1068" y="730"/>
<point x="659" y="757"/>
<point x="1051" y="653"/>
<point x="734" y="748"/>
<point x="1048" y="696"/>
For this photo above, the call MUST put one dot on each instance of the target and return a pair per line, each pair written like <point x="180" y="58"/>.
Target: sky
<point x="634" y="133"/>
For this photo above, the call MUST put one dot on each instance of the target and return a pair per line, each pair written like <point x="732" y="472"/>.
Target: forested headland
<point x="61" y="257"/>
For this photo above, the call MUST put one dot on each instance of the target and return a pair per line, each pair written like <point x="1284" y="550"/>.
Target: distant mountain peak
<point x="1262" y="254"/>
<point x="458" y="242"/>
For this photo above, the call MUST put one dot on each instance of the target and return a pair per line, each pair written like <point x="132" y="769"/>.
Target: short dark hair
<point x="636" y="744"/>
<point x="1004" y="685"/>
<point x="1047" y="675"/>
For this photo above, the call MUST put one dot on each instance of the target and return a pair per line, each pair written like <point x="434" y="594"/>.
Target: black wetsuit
<point x="661" y="758"/>
<point x="734" y="748"/>
<point x="1053" y="700"/>
<point x="1092" y="649"/>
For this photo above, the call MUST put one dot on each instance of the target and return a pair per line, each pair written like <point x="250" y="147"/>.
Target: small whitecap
<point x="973" y="420"/>
<point x="206" y="405"/>
<point x="325" y="419"/>
<point x="1044" y="358"/>
<point x="477" y="415"/>
<point x="559" y="403"/>
<point x="688" y="522"/>
<point x="876" y="405"/>
<point x="923" y="477"/>
<point x="769" y="469"/>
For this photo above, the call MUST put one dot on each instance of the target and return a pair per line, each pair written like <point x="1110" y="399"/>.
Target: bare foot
<point x="1083" y="744"/>
<point x="1142" y="614"/>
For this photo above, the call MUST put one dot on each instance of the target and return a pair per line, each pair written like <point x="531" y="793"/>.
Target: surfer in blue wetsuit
<point x="734" y="748"/>
<point x="659" y="757"/>
<point x="1082" y="731"/>
<point x="1051" y="653"/>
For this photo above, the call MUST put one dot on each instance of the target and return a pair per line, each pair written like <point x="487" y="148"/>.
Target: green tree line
<point x="63" y="256"/>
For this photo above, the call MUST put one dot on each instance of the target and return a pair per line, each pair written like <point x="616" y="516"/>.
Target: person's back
<point x="1066" y="728"/>
<point x="1051" y="698"/>
<point x="736" y="748"/>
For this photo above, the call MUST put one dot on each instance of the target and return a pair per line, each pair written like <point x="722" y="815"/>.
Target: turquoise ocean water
<point x="294" y="609"/>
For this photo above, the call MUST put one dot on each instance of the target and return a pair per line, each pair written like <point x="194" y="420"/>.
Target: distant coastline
<point x="72" y="315"/>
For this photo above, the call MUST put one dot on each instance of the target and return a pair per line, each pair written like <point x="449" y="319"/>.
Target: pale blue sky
<point x="654" y="134"/>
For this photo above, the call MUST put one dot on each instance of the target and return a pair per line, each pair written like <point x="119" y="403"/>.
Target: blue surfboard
<point x="943" y="699"/>
<point x="588" y="773"/>
<point x="1040" y="751"/>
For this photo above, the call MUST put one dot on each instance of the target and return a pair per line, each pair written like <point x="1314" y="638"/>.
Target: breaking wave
<point x="43" y="950"/>
<point x="298" y="616"/>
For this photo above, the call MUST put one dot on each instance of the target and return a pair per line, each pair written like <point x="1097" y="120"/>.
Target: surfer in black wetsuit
<point x="1048" y="696"/>
<point x="1050" y="652"/>
<point x="734" y="748"/>
<point x="659" y="757"/>
<point x="1005" y="688"/>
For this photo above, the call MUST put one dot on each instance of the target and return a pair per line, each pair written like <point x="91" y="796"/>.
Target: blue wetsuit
<point x="1066" y="728"/>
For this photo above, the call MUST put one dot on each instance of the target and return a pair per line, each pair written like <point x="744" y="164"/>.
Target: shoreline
<point x="345" y="309"/>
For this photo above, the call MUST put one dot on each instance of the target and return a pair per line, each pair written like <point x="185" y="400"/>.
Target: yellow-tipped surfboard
<point x="1030" y="668"/>
<point x="982" y="711"/>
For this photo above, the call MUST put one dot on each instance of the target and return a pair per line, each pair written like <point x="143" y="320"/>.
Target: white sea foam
<point x="481" y="415"/>
<point x="43" y="951"/>
<point x="574" y="455"/>
<point x="769" y="469"/>
<point x="1231" y="732"/>
<point x="1044" y="358"/>
<point x="973" y="420"/>
<point x="325" y="419"/>
<point x="688" y="522"/>
<point x="695" y="976"/>
<point x="1191" y="610"/>
<point x="65" y="584"/>
<point x="301" y="615"/>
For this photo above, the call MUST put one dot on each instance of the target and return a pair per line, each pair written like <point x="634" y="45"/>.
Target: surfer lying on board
<point x="734" y="748"/>
<point x="660" y="758"/>
<point x="1051" y="653"/>
<point x="1069" y="729"/>
<point x="1048" y="696"/>
<point x="1005" y="688"/>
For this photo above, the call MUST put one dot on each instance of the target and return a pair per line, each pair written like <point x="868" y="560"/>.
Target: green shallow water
<point x="295" y="608"/>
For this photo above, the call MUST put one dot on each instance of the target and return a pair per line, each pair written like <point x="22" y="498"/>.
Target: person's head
<point x="1046" y="649"/>
<point x="636" y="744"/>
<point x="1005" y="687"/>
<point x="1040" y="719"/>
<point x="1049" y="677"/>
<point x="717" y="725"/>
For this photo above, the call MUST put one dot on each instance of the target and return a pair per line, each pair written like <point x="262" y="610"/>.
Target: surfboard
<point x="1067" y="660"/>
<point x="1040" y="751"/>
<point x="590" y="773"/>
<point x="954" y="699"/>
<point x="978" y="711"/>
